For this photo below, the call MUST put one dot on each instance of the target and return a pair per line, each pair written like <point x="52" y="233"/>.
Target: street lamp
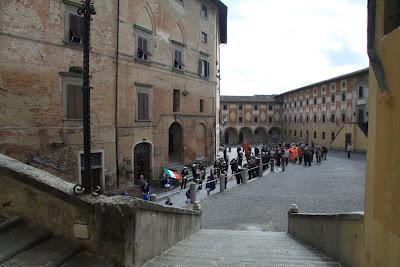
<point x="87" y="10"/>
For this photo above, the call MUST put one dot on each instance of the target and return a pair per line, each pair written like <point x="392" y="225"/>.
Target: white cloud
<point x="275" y="46"/>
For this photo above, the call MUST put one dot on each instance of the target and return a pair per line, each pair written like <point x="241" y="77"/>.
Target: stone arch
<point x="178" y="32"/>
<point x="260" y="135"/>
<point x="175" y="143"/>
<point x="142" y="160"/>
<point x="201" y="141"/>
<point x="145" y="18"/>
<point x="245" y="135"/>
<point x="231" y="136"/>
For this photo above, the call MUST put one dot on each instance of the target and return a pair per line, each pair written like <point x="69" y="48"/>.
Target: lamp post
<point x="87" y="10"/>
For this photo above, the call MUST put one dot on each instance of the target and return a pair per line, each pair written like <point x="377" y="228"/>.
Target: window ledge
<point x="181" y="71"/>
<point x="142" y="61"/>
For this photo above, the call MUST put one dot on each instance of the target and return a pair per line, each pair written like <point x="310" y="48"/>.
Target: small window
<point x="323" y="135"/>
<point x="307" y="119"/>
<point x="255" y="107"/>
<point x="295" y="104"/>
<point x="201" y="105"/>
<point x="204" y="37"/>
<point x="270" y="107"/>
<point x="315" y="101"/>
<point x="290" y="132"/>
<point x="204" y="68"/>
<point x="332" y="117"/>
<point x="143" y="105"/>
<point x="270" y="119"/>
<point x="323" y="118"/>
<point x="285" y="106"/>
<point x="240" y="107"/>
<point x="333" y="98"/>
<point x="74" y="102"/>
<point x="301" y="103"/>
<point x="392" y="15"/>
<point x="332" y="135"/>
<point x="295" y="119"/>
<point x="76" y="27"/>
<point x="308" y="103"/>
<point x="240" y="119"/>
<point x="285" y="119"/>
<point x="315" y="134"/>
<point x="225" y="107"/>
<point x="204" y="12"/>
<point x="295" y="133"/>
<point x="178" y="58"/>
<point x="301" y="119"/>
<point x="343" y="117"/>
<point x="315" y="118"/>
<point x="301" y="133"/>
<point x="361" y="92"/>
<point x="142" y="44"/>
<point x="256" y="119"/>
<point x="176" y="101"/>
<point x="323" y="100"/>
<point x="343" y="97"/>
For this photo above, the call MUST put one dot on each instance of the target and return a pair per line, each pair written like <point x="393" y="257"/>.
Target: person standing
<point x="348" y="149"/>
<point x="145" y="187"/>
<point x="184" y="174"/>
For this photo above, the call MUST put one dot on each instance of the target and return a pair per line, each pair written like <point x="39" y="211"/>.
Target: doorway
<point x="175" y="143"/>
<point x="142" y="161"/>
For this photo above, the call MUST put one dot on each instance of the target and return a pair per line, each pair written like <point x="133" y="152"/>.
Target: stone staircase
<point x="25" y="246"/>
<point x="241" y="248"/>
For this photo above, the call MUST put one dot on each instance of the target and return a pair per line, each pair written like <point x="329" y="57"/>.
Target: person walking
<point x="348" y="149"/>
<point x="144" y="187"/>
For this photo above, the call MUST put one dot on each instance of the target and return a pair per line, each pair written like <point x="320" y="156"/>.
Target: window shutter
<point x="146" y="106"/>
<point x="75" y="26"/>
<point x="208" y="69"/>
<point x="200" y="66"/>
<point x="140" y="107"/>
<point x="70" y="103"/>
<point x="79" y="102"/>
<point x="74" y="102"/>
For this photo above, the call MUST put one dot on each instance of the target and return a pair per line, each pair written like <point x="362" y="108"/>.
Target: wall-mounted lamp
<point x="185" y="92"/>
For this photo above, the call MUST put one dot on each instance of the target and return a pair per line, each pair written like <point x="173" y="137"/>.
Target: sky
<point x="279" y="45"/>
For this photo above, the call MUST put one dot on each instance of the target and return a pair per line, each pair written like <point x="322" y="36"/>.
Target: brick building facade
<point x="332" y="112"/>
<point x="154" y="67"/>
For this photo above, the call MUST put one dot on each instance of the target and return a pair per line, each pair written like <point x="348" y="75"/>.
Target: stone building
<point x="251" y="119"/>
<point x="332" y="112"/>
<point x="154" y="68"/>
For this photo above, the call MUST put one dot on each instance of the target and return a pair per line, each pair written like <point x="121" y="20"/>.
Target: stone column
<point x="244" y="175"/>
<point x="222" y="182"/>
<point x="193" y="188"/>
<point x="261" y="170"/>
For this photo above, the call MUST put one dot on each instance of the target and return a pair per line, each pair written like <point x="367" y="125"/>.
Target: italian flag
<point x="172" y="174"/>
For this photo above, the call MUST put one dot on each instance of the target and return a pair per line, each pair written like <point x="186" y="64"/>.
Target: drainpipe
<point x="373" y="56"/>
<point x="116" y="98"/>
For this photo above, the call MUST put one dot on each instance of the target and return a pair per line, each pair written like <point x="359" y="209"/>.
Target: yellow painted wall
<point x="382" y="190"/>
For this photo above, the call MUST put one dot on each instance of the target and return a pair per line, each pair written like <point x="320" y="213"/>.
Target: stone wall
<point x="340" y="236"/>
<point x="128" y="230"/>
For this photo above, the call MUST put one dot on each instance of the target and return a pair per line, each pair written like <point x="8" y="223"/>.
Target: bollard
<point x="245" y="173"/>
<point x="261" y="170"/>
<point x="272" y="165"/>
<point x="293" y="209"/>
<point x="222" y="183"/>
<point x="153" y="198"/>
<point x="192" y="187"/>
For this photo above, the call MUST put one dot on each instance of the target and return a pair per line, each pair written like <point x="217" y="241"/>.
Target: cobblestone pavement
<point x="335" y="185"/>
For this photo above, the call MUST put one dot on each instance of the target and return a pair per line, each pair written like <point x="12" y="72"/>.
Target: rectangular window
<point x="204" y="68"/>
<point x="315" y="118"/>
<point x="307" y="119"/>
<point x="343" y="117"/>
<point x="332" y="117"/>
<point x="332" y="135"/>
<point x="290" y="132"/>
<point x="256" y="119"/>
<point x="285" y="119"/>
<point x="204" y="12"/>
<point x="333" y="98"/>
<point x="142" y="45"/>
<point x="308" y="102"/>
<point x="323" y="118"/>
<point x="323" y="100"/>
<point x="204" y="37"/>
<point x="315" y="101"/>
<point x="392" y="15"/>
<point x="343" y="97"/>
<point x="240" y="107"/>
<point x="295" y="133"/>
<point x="270" y="119"/>
<point x="240" y="119"/>
<point x="225" y="107"/>
<point x="301" y="103"/>
<point x="178" y="58"/>
<point x="255" y="107"/>
<point x="143" y="105"/>
<point x="176" y="105"/>
<point x="295" y="119"/>
<point x="315" y="134"/>
<point x="75" y="29"/>
<point x="201" y="105"/>
<point x="74" y="102"/>
<point x="270" y="107"/>
<point x="295" y="104"/>
<point x="301" y="133"/>
<point x="361" y="92"/>
<point x="285" y="106"/>
<point x="323" y="135"/>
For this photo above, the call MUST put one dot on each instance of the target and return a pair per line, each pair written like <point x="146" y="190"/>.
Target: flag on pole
<point x="172" y="174"/>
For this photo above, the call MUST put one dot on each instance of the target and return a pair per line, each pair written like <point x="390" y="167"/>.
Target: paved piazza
<point x="336" y="185"/>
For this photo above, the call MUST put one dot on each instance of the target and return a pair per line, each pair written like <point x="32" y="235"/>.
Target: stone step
<point x="241" y="248"/>
<point x="51" y="252"/>
<point x="86" y="259"/>
<point x="6" y="224"/>
<point x="20" y="238"/>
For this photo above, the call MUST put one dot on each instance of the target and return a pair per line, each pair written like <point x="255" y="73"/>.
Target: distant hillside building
<point x="332" y="112"/>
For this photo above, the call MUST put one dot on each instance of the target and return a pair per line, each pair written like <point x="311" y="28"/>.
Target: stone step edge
<point x="10" y="223"/>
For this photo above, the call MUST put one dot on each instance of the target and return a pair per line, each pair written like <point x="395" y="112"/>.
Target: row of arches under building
<point x="234" y="136"/>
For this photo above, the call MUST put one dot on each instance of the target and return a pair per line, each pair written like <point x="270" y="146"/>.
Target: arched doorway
<point x="260" y="135"/>
<point x="231" y="136"/>
<point x="175" y="143"/>
<point x="245" y="135"/>
<point x="274" y="133"/>
<point x="201" y="141"/>
<point x="142" y="161"/>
